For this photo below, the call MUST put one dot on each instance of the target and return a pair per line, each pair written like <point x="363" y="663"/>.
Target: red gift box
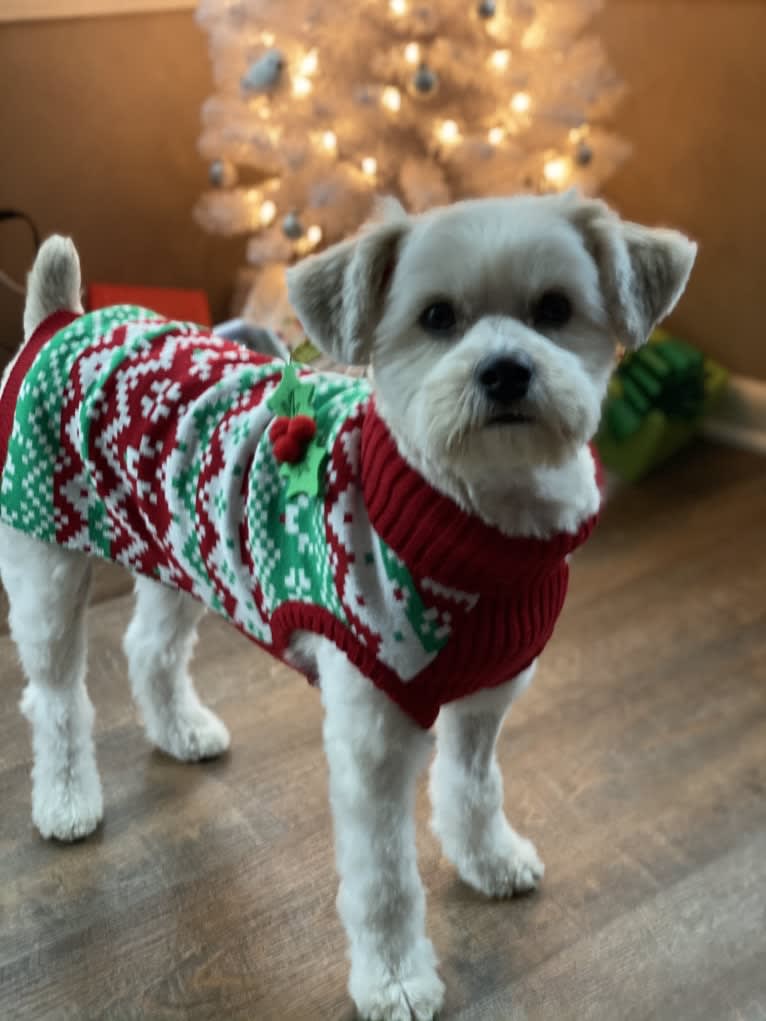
<point x="171" y="302"/>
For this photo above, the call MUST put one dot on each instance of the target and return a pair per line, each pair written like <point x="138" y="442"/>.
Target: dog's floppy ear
<point x="643" y="270"/>
<point x="339" y="294"/>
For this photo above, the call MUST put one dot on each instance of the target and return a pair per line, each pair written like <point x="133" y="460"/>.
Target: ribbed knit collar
<point x="438" y="539"/>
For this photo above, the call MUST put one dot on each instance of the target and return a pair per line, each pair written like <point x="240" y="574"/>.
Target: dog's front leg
<point x="467" y="796"/>
<point x="375" y="754"/>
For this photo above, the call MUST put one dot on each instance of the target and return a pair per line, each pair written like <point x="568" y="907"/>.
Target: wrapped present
<point x="171" y="302"/>
<point x="656" y="400"/>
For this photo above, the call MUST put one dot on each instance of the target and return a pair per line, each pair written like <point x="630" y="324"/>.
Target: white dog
<point x="491" y="327"/>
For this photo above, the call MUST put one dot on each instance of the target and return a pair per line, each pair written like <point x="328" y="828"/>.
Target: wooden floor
<point x="637" y="763"/>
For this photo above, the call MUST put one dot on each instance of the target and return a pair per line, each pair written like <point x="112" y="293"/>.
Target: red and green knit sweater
<point x="147" y="442"/>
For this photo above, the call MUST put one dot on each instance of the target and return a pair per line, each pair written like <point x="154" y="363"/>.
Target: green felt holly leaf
<point x="292" y="397"/>
<point x="304" y="477"/>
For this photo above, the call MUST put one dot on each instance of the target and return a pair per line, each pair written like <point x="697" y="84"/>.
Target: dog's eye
<point x="553" y="308"/>
<point x="438" y="318"/>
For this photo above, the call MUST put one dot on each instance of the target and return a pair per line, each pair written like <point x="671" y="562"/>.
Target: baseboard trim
<point x="740" y="417"/>
<point x="54" y="10"/>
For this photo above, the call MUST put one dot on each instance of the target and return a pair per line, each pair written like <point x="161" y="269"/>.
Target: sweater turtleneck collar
<point x="436" y="538"/>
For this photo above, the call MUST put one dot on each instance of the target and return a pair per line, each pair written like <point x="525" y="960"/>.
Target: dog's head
<point x="491" y="325"/>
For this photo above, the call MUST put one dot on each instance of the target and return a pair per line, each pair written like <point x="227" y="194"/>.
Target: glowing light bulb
<point x="449" y="131"/>
<point x="495" y="135"/>
<point x="577" y="134"/>
<point x="329" y="141"/>
<point x="391" y="98"/>
<point x="301" y="86"/>
<point x="314" y="234"/>
<point x="310" y="63"/>
<point x="521" y="102"/>
<point x="398" y="7"/>
<point x="267" y="213"/>
<point x="370" y="166"/>
<point x="412" y="53"/>
<point x="500" y="59"/>
<point x="556" y="170"/>
<point x="268" y="38"/>
<point x="534" y="37"/>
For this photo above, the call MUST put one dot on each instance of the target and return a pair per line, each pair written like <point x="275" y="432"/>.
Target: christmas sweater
<point x="149" y="442"/>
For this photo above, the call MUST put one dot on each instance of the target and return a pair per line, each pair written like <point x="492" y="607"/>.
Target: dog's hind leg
<point x="158" y="644"/>
<point x="467" y="796"/>
<point x="47" y="588"/>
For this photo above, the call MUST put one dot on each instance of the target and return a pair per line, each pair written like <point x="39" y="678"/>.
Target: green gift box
<point x="655" y="402"/>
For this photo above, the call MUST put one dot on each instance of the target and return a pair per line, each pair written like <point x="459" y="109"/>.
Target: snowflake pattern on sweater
<point x="146" y="442"/>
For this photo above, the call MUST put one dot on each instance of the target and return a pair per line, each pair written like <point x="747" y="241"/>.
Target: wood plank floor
<point x="637" y="763"/>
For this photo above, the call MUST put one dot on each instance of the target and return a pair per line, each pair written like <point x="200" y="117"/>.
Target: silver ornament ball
<point x="486" y="9"/>
<point x="425" y="81"/>
<point x="265" y="72"/>
<point x="292" y="227"/>
<point x="222" y="174"/>
<point x="583" y="154"/>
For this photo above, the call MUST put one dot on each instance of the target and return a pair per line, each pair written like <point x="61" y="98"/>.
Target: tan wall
<point x="696" y="115"/>
<point x="99" y="120"/>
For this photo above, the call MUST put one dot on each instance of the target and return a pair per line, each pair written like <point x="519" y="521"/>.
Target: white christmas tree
<point x="319" y="107"/>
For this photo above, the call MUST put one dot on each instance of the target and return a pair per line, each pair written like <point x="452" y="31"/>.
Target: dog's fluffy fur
<point x="362" y="302"/>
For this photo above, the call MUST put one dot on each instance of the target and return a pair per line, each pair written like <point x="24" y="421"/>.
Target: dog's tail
<point x="53" y="284"/>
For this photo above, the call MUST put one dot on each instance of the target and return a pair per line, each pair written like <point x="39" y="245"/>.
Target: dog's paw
<point x="68" y="807"/>
<point x="414" y="992"/>
<point x="191" y="735"/>
<point x="413" y="998"/>
<point x="508" y="865"/>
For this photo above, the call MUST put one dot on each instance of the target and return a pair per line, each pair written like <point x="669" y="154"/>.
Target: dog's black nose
<point x="505" y="379"/>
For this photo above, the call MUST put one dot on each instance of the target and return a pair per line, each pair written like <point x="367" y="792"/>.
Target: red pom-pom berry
<point x="288" y="449"/>
<point x="291" y="436"/>
<point x="279" y="427"/>
<point x="302" y="428"/>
